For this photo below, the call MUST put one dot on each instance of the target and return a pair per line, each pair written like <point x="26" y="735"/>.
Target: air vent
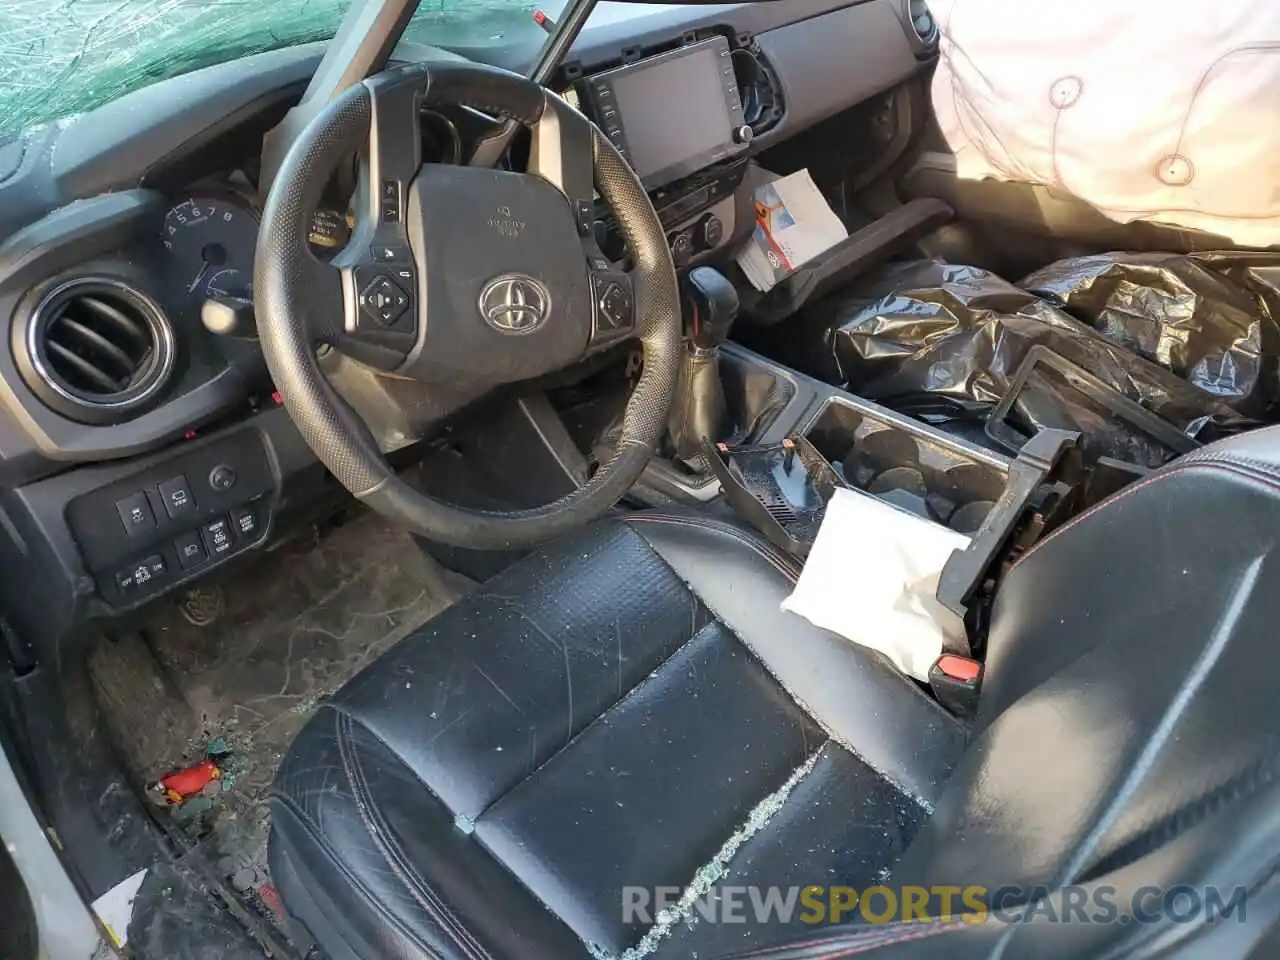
<point x="98" y="350"/>
<point x="759" y="90"/>
<point x="922" y="23"/>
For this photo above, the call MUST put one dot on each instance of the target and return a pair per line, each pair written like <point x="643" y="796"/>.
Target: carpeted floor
<point x="291" y="627"/>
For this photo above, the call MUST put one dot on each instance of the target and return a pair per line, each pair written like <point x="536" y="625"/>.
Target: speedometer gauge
<point x="211" y="242"/>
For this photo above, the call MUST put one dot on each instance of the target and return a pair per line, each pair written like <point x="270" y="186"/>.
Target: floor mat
<point x="287" y="630"/>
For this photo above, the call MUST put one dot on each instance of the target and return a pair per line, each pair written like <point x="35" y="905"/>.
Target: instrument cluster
<point x="209" y="238"/>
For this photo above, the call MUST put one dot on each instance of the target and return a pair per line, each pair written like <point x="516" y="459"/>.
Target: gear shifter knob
<point x="715" y="306"/>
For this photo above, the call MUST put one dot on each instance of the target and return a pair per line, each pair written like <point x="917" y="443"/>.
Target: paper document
<point x="872" y="576"/>
<point x="794" y="224"/>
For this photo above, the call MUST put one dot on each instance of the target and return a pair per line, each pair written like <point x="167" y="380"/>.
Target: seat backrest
<point x="1130" y="716"/>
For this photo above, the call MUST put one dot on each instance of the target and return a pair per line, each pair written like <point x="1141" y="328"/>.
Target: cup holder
<point x="907" y="468"/>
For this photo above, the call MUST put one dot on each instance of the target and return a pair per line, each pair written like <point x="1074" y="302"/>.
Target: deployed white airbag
<point x="1146" y="109"/>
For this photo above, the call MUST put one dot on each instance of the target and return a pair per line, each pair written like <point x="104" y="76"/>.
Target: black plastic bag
<point x="961" y="332"/>
<point x="1206" y="317"/>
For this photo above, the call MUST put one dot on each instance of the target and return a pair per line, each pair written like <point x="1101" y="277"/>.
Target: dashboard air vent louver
<point x="97" y="350"/>
<point x="759" y="89"/>
<point x="922" y="23"/>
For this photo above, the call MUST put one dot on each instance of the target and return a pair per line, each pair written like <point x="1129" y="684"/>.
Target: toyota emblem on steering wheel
<point x="515" y="303"/>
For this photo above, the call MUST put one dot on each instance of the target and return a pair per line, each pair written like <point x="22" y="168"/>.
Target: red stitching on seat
<point x="909" y="934"/>
<point x="1226" y="466"/>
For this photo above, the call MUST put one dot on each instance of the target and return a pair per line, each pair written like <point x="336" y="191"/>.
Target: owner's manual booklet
<point x="794" y="224"/>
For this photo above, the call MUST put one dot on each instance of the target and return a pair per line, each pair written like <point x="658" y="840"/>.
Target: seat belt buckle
<point x="956" y="682"/>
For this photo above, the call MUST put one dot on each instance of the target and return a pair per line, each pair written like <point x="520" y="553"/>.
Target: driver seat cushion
<point x="620" y="709"/>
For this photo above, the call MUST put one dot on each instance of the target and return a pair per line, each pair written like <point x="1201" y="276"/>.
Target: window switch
<point x="176" y="494"/>
<point x="135" y="514"/>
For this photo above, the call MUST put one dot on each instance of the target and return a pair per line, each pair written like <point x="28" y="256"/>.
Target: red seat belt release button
<point x="956" y="682"/>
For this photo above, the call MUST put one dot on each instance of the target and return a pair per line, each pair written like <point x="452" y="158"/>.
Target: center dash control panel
<point x="175" y="519"/>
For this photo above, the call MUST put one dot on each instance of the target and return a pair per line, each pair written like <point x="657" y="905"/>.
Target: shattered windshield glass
<point x="61" y="57"/>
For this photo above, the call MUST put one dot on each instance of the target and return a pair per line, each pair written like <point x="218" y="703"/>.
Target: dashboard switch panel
<point x="179" y="531"/>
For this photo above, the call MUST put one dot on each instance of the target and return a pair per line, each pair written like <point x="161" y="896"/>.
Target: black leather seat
<point x="629" y="710"/>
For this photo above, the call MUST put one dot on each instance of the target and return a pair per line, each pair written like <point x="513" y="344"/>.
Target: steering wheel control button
<point x="135" y="514"/>
<point x="190" y="550"/>
<point x="615" y="307"/>
<point x="383" y="302"/>
<point x="177" y="498"/>
<point x="390" y="201"/>
<point x="217" y="537"/>
<point x="389" y="253"/>
<point x="245" y="521"/>
<point x="222" y="478"/>
<point x="584" y="213"/>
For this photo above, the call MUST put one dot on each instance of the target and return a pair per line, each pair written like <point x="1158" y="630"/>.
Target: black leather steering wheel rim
<point x="286" y="291"/>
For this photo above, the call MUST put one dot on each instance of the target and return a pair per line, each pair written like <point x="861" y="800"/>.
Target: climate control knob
<point x="712" y="232"/>
<point x="682" y="247"/>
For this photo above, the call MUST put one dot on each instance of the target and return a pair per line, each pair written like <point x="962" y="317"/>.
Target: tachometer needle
<point x="204" y="268"/>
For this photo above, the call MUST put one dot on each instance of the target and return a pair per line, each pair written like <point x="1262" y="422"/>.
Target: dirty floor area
<point x="236" y="670"/>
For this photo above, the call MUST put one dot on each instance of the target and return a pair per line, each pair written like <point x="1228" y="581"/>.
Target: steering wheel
<point x="462" y="275"/>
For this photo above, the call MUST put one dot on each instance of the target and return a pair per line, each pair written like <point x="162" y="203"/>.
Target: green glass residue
<point x="62" y="57"/>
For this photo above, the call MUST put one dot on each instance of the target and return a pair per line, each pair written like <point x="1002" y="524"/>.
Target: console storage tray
<point x="911" y="467"/>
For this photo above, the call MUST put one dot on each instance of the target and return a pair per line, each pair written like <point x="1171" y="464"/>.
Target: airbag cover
<point x="508" y="296"/>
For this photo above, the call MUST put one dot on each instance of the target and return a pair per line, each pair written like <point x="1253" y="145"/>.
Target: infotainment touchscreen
<point x="672" y="114"/>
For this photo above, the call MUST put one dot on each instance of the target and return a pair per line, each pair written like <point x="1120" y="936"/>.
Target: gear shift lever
<point x="700" y="410"/>
<point x="715" y="307"/>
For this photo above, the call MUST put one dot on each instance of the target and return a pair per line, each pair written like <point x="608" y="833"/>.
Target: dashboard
<point x="127" y="241"/>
